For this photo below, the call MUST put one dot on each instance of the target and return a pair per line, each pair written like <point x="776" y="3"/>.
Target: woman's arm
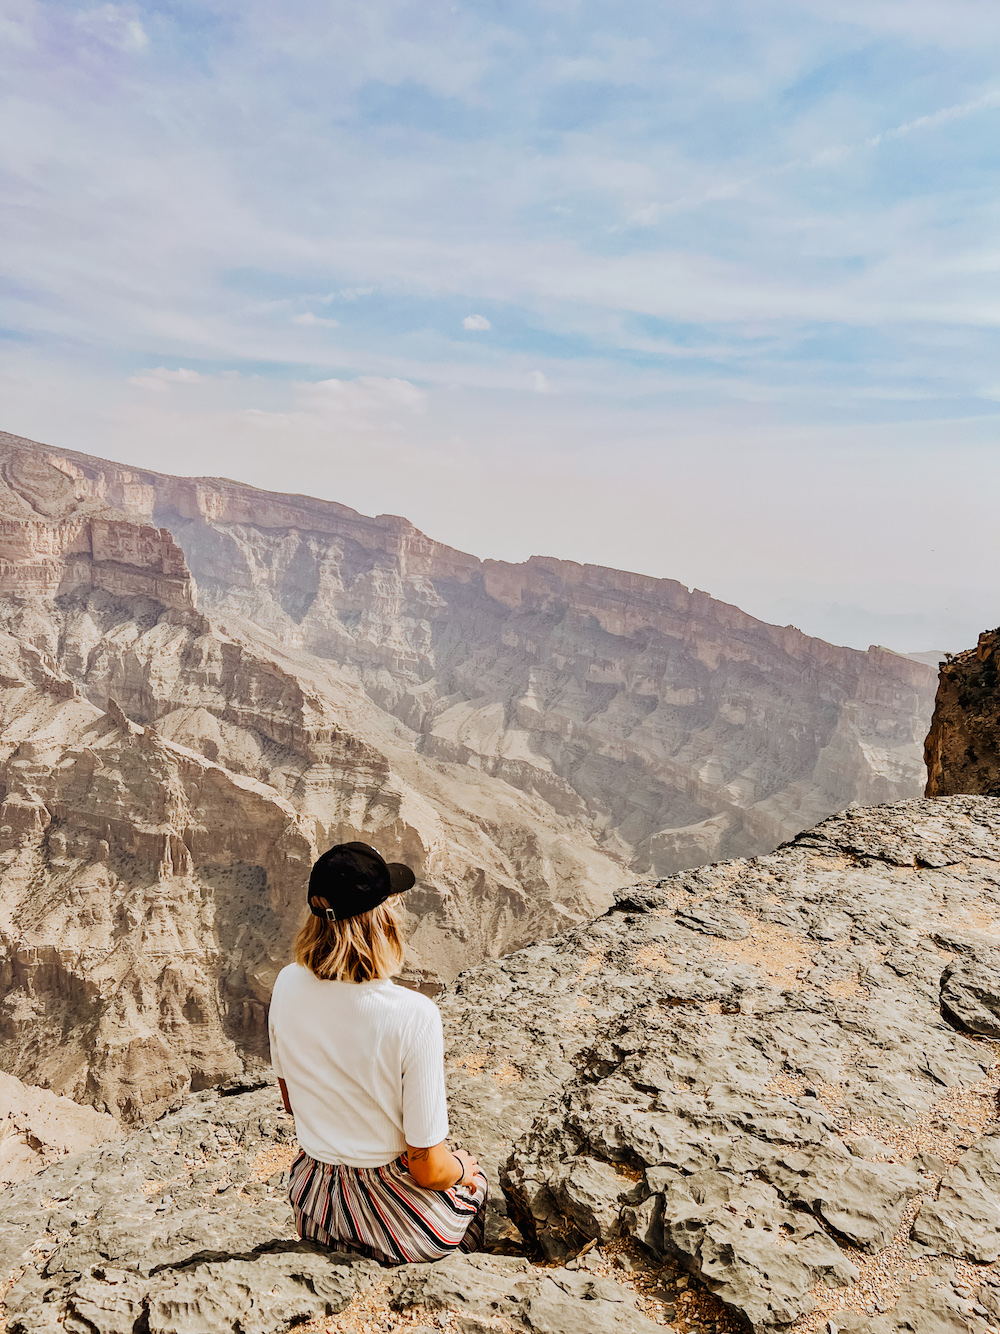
<point x="436" y="1168"/>
<point x="441" y="1168"/>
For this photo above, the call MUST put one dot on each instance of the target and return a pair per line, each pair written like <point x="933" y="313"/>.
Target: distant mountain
<point x="933" y="657"/>
<point x="202" y="684"/>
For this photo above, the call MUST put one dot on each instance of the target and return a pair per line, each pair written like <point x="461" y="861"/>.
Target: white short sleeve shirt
<point x="364" y="1066"/>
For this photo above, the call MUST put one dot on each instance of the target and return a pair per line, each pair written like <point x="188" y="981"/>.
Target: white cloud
<point x="367" y="403"/>
<point x="160" y="378"/>
<point x="988" y="102"/>
<point x="651" y="214"/>
<point x="218" y="234"/>
<point x="310" y="319"/>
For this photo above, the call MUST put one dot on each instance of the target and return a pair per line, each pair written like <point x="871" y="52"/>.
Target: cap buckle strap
<point x="329" y="914"/>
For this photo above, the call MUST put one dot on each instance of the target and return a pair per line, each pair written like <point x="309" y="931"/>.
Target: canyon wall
<point x="963" y="745"/>
<point x="203" y="685"/>
<point x="165" y="786"/>
<point x="674" y="727"/>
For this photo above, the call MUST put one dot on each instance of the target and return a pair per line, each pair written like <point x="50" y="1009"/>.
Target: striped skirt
<point x="382" y="1212"/>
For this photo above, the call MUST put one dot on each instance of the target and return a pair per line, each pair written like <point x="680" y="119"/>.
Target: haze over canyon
<point x="204" y="684"/>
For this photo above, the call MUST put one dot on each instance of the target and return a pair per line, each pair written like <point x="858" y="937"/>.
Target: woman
<point x="360" y="1063"/>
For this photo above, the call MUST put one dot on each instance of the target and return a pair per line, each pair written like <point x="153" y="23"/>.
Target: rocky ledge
<point x="186" y="1227"/>
<point x="761" y="1093"/>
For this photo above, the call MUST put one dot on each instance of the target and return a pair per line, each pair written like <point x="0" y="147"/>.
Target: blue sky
<point x="706" y="291"/>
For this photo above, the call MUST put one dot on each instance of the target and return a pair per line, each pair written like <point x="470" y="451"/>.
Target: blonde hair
<point x="360" y="949"/>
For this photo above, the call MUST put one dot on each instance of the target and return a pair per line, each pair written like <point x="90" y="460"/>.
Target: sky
<point x="708" y="291"/>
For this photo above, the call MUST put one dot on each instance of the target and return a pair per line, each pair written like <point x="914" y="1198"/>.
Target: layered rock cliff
<point x="671" y="727"/>
<point x="761" y="1094"/>
<point x="962" y="750"/>
<point x="175" y="750"/>
<point x="151" y="888"/>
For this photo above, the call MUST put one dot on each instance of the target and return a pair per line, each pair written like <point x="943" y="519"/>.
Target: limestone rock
<point x="258" y="1293"/>
<point x="725" y="925"/>
<point x="37" y="1127"/>
<point x="706" y="1100"/>
<point x="862" y="1202"/>
<point x="970" y="993"/>
<point x="722" y="1081"/>
<point x="932" y="1308"/>
<point x="964" y="1220"/>
<point x="728" y="1230"/>
<point x="930" y="1305"/>
<point x="186" y="1227"/>
<point x="544" y="1302"/>
<point x="56" y="538"/>
<point x="147" y="903"/>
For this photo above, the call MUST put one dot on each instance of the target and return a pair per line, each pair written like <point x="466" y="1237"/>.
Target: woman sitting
<point x="360" y="1062"/>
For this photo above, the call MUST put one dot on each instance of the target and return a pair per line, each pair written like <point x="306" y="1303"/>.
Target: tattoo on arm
<point x="419" y="1155"/>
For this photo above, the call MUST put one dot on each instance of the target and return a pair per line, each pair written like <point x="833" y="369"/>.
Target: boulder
<point x="964" y="1220"/>
<point x="556" y="1301"/>
<point x="970" y="993"/>
<point x="862" y="1202"/>
<point x="749" y="1247"/>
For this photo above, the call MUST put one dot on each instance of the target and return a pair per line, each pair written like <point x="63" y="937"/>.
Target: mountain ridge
<point x="194" y="705"/>
<point x="130" y="490"/>
<point x="393" y="606"/>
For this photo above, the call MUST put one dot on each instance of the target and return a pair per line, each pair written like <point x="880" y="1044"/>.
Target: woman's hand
<point x="434" y="1168"/>
<point x="471" y="1166"/>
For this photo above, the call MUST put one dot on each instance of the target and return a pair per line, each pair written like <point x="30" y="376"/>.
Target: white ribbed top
<point x="364" y="1066"/>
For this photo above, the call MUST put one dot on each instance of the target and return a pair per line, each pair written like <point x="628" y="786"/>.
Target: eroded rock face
<point x="54" y="539"/>
<point x="964" y="1220"/>
<point x="166" y="785"/>
<point x="970" y="992"/>
<point x="671" y="728"/>
<point x="147" y="900"/>
<point x="963" y="745"/>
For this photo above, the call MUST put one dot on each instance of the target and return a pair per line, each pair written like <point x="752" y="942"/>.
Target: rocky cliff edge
<point x="762" y="1093"/>
<point x="962" y="750"/>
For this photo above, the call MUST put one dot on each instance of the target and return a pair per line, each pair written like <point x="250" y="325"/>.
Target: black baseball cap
<point x="354" y="878"/>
